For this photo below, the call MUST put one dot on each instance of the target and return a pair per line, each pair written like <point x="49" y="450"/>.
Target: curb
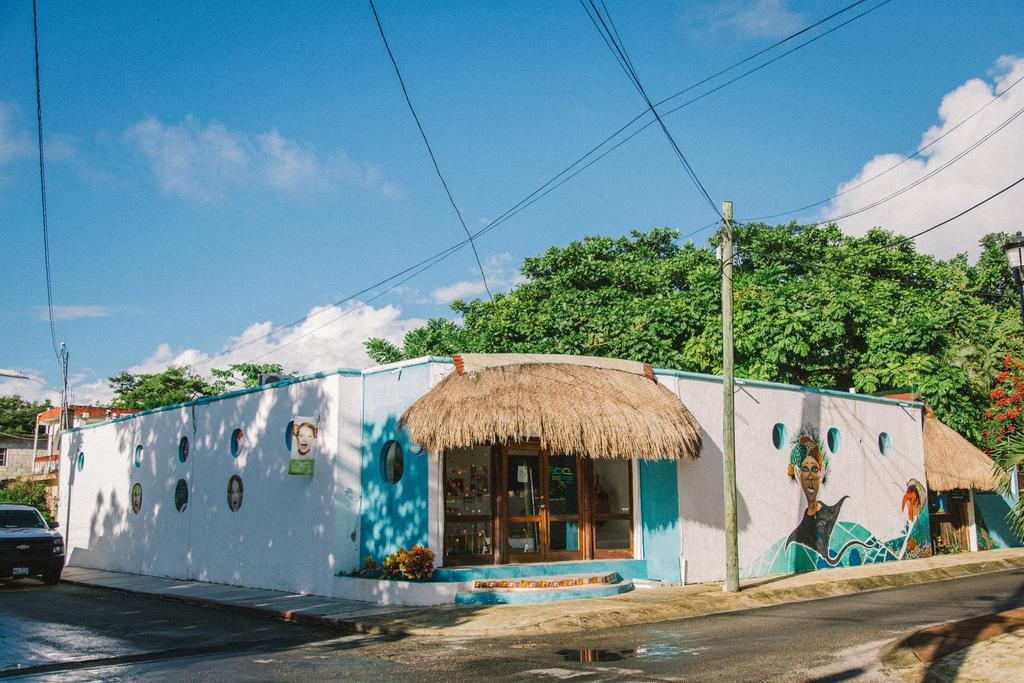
<point x="614" y="613"/>
<point x="348" y="626"/>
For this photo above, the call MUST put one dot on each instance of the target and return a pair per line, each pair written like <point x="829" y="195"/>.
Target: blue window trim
<point x="834" y="440"/>
<point x="780" y="436"/>
<point x="384" y="461"/>
<point x="137" y="458"/>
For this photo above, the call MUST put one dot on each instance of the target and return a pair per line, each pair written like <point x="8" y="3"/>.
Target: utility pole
<point x="732" y="569"/>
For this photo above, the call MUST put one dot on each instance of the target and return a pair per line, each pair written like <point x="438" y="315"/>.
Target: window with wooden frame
<point x="469" y="506"/>
<point x="611" y="508"/>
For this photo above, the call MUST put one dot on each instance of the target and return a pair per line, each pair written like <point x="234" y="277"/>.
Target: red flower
<point x="1000" y="417"/>
<point x="988" y="413"/>
<point x="1002" y="376"/>
<point x="996" y="393"/>
<point x="1011" y="428"/>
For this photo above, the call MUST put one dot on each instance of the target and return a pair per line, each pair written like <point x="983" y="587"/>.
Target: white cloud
<point x="500" y="276"/>
<point x="203" y="162"/>
<point x="990" y="167"/>
<point x="73" y="311"/>
<point x="28" y="389"/>
<point x="331" y="337"/>
<point x="766" y="19"/>
<point x="757" y="19"/>
<point x="15" y="142"/>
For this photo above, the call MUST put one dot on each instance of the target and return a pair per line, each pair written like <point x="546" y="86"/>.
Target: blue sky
<point x="217" y="169"/>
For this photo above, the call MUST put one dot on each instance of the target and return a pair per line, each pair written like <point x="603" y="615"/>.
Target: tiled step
<point x="543" y="589"/>
<point x="628" y="569"/>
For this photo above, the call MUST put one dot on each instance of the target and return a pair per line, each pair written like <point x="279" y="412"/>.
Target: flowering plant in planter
<point x="414" y="564"/>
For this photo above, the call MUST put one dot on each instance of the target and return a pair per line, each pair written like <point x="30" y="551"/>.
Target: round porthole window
<point x="884" y="444"/>
<point x="393" y="461"/>
<point x="138" y="455"/>
<point x="181" y="495"/>
<point x="288" y="436"/>
<point x="833" y="440"/>
<point x="81" y="461"/>
<point x="183" y="449"/>
<point x="779" y="436"/>
<point x="237" y="442"/>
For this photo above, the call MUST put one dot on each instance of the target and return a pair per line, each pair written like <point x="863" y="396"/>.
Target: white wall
<point x="770" y="504"/>
<point x="291" y="533"/>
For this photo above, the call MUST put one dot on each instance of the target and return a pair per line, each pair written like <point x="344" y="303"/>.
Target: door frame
<point x="543" y="518"/>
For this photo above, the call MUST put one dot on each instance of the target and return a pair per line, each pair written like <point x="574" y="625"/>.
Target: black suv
<point x="28" y="547"/>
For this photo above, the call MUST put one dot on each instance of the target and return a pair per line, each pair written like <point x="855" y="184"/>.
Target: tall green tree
<point x="814" y="306"/>
<point x="18" y="416"/>
<point x="240" y="375"/>
<point x="153" y="390"/>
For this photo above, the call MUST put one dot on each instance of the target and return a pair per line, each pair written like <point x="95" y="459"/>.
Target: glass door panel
<point x="524" y="505"/>
<point x="563" y="507"/>
<point x="611" y="508"/>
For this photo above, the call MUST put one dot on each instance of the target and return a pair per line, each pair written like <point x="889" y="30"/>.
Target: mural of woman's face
<point x="136" y="498"/>
<point x="810" y="479"/>
<point x="305" y="438"/>
<point x="235" y="494"/>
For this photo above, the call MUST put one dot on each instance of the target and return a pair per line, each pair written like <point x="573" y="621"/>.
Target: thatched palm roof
<point x="952" y="462"/>
<point x="570" y="407"/>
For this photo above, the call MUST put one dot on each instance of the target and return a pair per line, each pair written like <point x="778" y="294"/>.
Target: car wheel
<point x="51" y="578"/>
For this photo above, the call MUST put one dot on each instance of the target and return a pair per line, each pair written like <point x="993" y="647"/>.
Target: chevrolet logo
<point x="22" y="547"/>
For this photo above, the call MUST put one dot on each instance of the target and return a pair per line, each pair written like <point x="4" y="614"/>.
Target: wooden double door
<point x="544" y="506"/>
<point x="538" y="507"/>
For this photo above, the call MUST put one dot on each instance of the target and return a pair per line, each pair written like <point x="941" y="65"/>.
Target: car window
<point x="21" y="519"/>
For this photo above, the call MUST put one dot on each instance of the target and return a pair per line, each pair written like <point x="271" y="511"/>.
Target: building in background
<point x="16" y="457"/>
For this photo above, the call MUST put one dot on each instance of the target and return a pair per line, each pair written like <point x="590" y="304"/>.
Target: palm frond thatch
<point x="570" y="408"/>
<point x="953" y="462"/>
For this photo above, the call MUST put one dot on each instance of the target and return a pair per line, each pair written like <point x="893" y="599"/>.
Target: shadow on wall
<point x="713" y="515"/>
<point x="283" y="534"/>
<point x="393" y="515"/>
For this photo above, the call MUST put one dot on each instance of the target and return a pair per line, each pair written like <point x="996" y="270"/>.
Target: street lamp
<point x="1014" y="250"/>
<point x="14" y="374"/>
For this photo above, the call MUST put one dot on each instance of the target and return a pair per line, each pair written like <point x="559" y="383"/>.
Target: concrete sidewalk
<point x="522" y="621"/>
<point x="984" y="648"/>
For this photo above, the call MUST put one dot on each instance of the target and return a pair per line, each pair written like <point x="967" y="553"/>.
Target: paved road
<point x="833" y="639"/>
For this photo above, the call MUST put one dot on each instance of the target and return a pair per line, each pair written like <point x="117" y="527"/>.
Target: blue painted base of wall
<point x="627" y="569"/>
<point x="531" y="595"/>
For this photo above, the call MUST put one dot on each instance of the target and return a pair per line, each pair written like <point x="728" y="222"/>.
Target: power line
<point x="42" y="185"/>
<point x="430" y="151"/>
<point x="906" y="188"/>
<point x="558" y="180"/>
<point x="610" y="36"/>
<point x="902" y="161"/>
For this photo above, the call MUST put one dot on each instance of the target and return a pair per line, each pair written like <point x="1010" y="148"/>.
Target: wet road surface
<point x="832" y="639"/>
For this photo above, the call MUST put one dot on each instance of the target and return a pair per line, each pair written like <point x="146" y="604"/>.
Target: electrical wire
<point x="430" y="151"/>
<point x="42" y="185"/>
<point x="899" y="163"/>
<point x="619" y="51"/>
<point x="560" y="178"/>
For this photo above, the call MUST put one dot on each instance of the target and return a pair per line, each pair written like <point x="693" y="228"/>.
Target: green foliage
<point x="414" y="564"/>
<point x="18" y="416"/>
<point x="1009" y="454"/>
<point x="244" y="374"/>
<point x="27" y="492"/>
<point x="814" y="307"/>
<point x="177" y="385"/>
<point x="145" y="391"/>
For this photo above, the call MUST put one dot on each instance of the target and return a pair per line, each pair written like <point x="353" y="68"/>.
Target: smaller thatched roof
<point x="570" y="407"/>
<point x="953" y="462"/>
